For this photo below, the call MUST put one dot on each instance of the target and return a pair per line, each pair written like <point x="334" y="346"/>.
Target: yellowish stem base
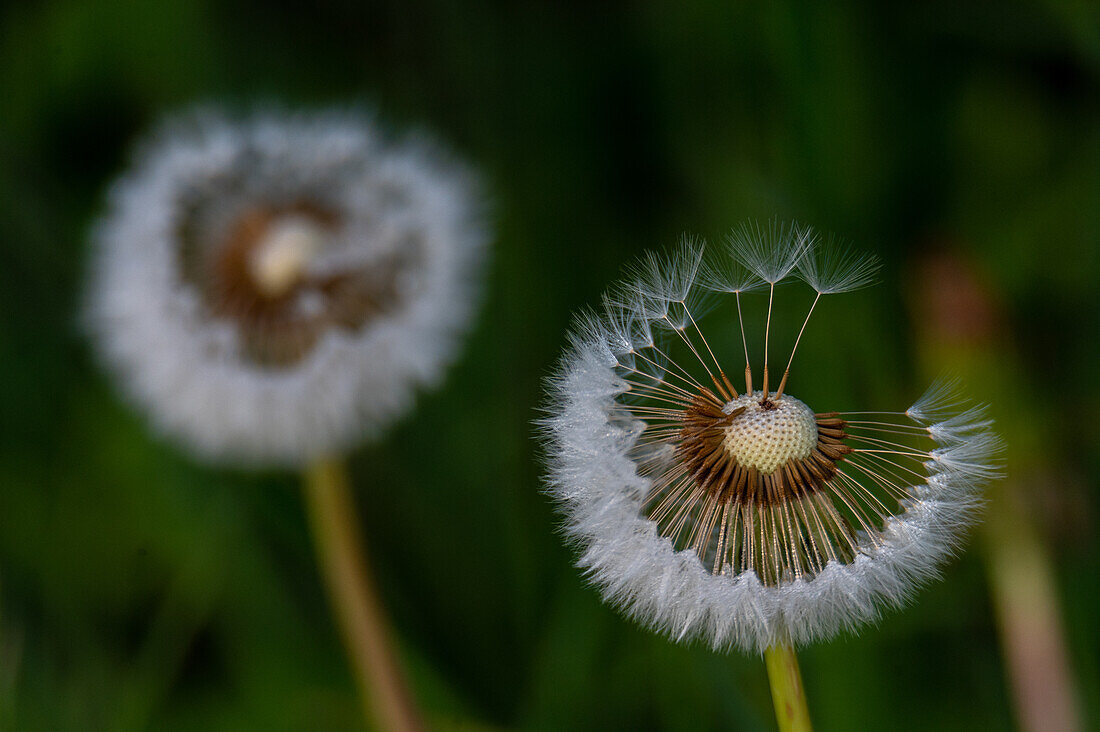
<point x="788" y="694"/>
<point x="354" y="599"/>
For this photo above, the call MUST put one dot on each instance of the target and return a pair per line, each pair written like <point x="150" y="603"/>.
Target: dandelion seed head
<point x="767" y="438"/>
<point x="747" y="519"/>
<point x="278" y="285"/>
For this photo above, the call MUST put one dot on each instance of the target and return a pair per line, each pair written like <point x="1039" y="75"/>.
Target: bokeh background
<point x="958" y="141"/>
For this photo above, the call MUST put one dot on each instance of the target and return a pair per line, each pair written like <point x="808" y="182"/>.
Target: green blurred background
<point x="139" y="590"/>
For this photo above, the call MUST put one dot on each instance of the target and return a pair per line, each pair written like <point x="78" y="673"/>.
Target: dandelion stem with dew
<point x="788" y="695"/>
<point x="342" y="559"/>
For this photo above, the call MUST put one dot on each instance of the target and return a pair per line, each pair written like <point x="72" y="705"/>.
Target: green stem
<point x="787" y="693"/>
<point x="342" y="558"/>
<point x="1029" y="617"/>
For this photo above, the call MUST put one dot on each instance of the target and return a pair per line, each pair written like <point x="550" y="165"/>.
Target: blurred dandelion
<point x="277" y="288"/>
<point x="273" y="289"/>
<point x="746" y="519"/>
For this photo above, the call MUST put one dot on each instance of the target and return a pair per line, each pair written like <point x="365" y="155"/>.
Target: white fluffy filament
<point x="696" y="561"/>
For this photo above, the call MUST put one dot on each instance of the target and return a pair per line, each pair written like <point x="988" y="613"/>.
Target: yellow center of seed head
<point x="767" y="437"/>
<point x="284" y="254"/>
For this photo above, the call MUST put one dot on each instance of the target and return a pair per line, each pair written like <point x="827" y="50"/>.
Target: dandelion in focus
<point x="272" y="289"/>
<point x="745" y="518"/>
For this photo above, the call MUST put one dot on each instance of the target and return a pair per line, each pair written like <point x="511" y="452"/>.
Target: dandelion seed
<point x="830" y="267"/>
<point x="748" y="520"/>
<point x="278" y="287"/>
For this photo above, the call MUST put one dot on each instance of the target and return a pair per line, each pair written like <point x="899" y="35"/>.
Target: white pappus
<point x="276" y="286"/>
<point x="744" y="519"/>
